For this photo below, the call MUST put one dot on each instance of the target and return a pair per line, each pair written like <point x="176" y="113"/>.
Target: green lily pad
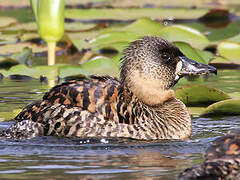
<point x="6" y="21"/>
<point x="190" y="52"/>
<point x="133" y="13"/>
<point x="200" y="94"/>
<point x="101" y="65"/>
<point x="98" y="65"/>
<point x="184" y="34"/>
<point x="30" y="26"/>
<point x="229" y="50"/>
<point x="50" y="71"/>
<point x="116" y="40"/>
<point x="6" y="116"/>
<point x="235" y="95"/>
<point x="13" y="48"/>
<point x="226" y="107"/>
<point x="196" y="111"/>
<point x="235" y="38"/>
<point x="218" y="59"/>
<point x="29" y="36"/>
<point x="77" y="26"/>
<point x="143" y="26"/>
<point x="16" y="58"/>
<point x="72" y="70"/>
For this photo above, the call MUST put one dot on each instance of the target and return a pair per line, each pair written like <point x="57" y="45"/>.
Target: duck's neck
<point x="149" y="90"/>
<point x="168" y="120"/>
<point x="172" y="120"/>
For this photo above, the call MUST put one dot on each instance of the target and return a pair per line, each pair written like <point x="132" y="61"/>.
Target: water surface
<point x="62" y="158"/>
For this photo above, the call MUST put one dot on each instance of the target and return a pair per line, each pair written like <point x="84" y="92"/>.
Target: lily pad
<point x="98" y="65"/>
<point x="226" y="107"/>
<point x="190" y="52"/>
<point x="133" y="13"/>
<point x="13" y="48"/>
<point x="77" y="26"/>
<point x="229" y="50"/>
<point x="101" y="65"/>
<point x="6" y="21"/>
<point x="235" y="38"/>
<point x="50" y="71"/>
<point x="17" y="58"/>
<point x="184" y="34"/>
<point x="30" y="26"/>
<point x="196" y="111"/>
<point x="143" y="26"/>
<point x="218" y="59"/>
<point x="29" y="36"/>
<point x="200" y="94"/>
<point x="116" y="40"/>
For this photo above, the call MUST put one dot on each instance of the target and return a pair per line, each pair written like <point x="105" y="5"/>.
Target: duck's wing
<point x="96" y="94"/>
<point x="87" y="93"/>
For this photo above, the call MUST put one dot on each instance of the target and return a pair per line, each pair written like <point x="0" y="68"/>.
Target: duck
<point x="222" y="160"/>
<point x="140" y="105"/>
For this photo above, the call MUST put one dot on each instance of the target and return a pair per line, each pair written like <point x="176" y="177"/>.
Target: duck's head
<point x="152" y="66"/>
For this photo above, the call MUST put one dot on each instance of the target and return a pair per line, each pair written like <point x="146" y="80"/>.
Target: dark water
<point x="59" y="158"/>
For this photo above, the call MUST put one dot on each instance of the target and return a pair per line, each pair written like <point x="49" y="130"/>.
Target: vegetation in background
<point x="94" y="39"/>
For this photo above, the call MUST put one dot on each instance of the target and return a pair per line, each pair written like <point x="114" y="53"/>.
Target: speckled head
<point x="151" y="67"/>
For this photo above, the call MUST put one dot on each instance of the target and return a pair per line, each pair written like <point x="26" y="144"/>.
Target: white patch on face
<point x="178" y="68"/>
<point x="176" y="77"/>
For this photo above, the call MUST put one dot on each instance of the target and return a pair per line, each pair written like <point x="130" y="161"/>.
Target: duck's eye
<point x="165" y="56"/>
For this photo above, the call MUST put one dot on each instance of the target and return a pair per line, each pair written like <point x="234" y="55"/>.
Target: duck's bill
<point x="189" y="67"/>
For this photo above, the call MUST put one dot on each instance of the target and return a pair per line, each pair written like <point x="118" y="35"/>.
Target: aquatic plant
<point x="49" y="15"/>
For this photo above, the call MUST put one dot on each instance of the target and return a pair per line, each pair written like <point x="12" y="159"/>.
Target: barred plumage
<point x="141" y="105"/>
<point x="222" y="160"/>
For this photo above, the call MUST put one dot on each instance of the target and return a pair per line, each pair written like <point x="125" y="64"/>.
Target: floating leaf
<point x="143" y="26"/>
<point x="217" y="34"/>
<point x="196" y="111"/>
<point x="50" y="71"/>
<point x="200" y="94"/>
<point x="98" y="65"/>
<point x="133" y="13"/>
<point x="77" y="26"/>
<point x="13" y="48"/>
<point x="229" y="50"/>
<point x="4" y="116"/>
<point x="218" y="59"/>
<point x="30" y="26"/>
<point x="185" y="34"/>
<point x="29" y="36"/>
<point x="188" y="51"/>
<point x="6" y="21"/>
<point x="101" y="65"/>
<point x="235" y="38"/>
<point x="235" y="94"/>
<point x="72" y="70"/>
<point x="226" y="107"/>
<point x="111" y="39"/>
<point x="17" y="58"/>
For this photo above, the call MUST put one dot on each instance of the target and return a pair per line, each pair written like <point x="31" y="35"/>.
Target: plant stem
<point x="51" y="53"/>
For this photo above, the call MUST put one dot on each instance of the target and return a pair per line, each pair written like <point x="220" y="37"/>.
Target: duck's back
<point x="72" y="104"/>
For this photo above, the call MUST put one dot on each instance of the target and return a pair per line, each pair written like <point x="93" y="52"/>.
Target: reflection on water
<point x="62" y="158"/>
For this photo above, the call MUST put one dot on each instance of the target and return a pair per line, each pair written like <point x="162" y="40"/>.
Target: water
<point x="64" y="158"/>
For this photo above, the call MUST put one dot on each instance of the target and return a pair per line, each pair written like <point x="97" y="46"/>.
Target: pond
<point x="93" y="44"/>
<point x="58" y="158"/>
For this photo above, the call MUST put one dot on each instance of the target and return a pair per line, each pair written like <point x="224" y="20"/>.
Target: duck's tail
<point x="25" y="129"/>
